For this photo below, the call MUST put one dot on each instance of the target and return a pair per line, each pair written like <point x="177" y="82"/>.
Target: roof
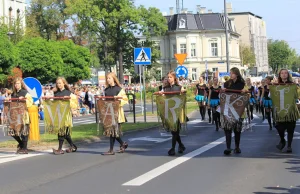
<point x="189" y="21"/>
<point x="245" y="13"/>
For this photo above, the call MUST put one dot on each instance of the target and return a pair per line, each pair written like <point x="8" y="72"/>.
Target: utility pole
<point x="226" y="34"/>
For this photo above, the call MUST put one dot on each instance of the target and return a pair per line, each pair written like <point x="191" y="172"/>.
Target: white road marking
<point x="203" y="126"/>
<point x="196" y="121"/>
<point x="169" y="165"/>
<point x="14" y="157"/>
<point x="156" y="140"/>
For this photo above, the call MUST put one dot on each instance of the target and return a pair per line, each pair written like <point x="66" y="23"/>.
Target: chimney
<point x="198" y="9"/>
<point x="209" y="11"/>
<point x="202" y="10"/>
<point x="184" y="10"/>
<point x="229" y="8"/>
<point x="171" y="10"/>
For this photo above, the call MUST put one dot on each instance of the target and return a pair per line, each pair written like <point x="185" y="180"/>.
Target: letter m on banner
<point x="57" y="115"/>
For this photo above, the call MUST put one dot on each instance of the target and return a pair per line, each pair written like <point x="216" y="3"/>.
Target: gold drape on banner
<point x="284" y="101"/>
<point x="58" y="116"/>
<point x="171" y="110"/>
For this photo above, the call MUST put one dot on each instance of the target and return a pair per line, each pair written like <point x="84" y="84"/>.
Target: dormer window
<point x="182" y="23"/>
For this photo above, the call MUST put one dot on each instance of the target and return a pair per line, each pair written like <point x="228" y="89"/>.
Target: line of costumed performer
<point x="284" y="96"/>
<point x="266" y="101"/>
<point x="114" y="89"/>
<point x="236" y="82"/>
<point x="173" y="86"/>
<point x="199" y="97"/>
<point x="20" y="132"/>
<point x="62" y="90"/>
<point x="214" y="101"/>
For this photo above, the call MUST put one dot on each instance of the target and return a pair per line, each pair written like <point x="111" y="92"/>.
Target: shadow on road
<point x="292" y="190"/>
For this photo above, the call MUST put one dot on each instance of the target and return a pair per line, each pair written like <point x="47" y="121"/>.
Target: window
<point x="214" y="49"/>
<point x="193" y="49"/>
<point x="214" y="69"/>
<point x="174" y="50"/>
<point x="194" y="74"/>
<point x="182" y="48"/>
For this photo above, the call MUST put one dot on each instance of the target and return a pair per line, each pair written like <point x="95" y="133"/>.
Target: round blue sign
<point x="34" y="88"/>
<point x="181" y="71"/>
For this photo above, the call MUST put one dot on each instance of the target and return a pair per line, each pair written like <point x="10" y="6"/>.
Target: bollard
<point x="34" y="133"/>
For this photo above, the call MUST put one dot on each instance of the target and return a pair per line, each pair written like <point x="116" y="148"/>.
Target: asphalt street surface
<point x="145" y="167"/>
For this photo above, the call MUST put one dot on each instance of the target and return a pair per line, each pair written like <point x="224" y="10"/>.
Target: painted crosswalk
<point x="6" y="157"/>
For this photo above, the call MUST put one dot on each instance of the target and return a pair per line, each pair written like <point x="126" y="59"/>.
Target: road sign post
<point x="142" y="56"/>
<point x="34" y="88"/>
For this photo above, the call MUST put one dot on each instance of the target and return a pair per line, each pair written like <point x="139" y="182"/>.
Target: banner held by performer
<point x="171" y="110"/>
<point x="232" y="107"/>
<point x="109" y="115"/>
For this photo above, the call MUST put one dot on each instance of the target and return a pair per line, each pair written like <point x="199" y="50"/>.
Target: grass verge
<point x="192" y="106"/>
<point x="80" y="134"/>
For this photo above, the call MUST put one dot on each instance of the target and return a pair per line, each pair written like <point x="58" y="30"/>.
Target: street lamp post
<point x="10" y="34"/>
<point x="226" y="34"/>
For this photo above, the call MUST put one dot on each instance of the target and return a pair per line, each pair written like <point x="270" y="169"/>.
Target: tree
<point x="46" y="17"/>
<point x="76" y="61"/>
<point x="247" y="55"/>
<point x="40" y="59"/>
<point x="279" y="53"/>
<point x="115" y="24"/>
<point x="8" y="54"/>
<point x="15" y="72"/>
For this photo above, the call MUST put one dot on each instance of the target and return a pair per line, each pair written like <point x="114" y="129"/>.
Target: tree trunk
<point x="120" y="53"/>
<point x="121" y="70"/>
<point x="105" y="55"/>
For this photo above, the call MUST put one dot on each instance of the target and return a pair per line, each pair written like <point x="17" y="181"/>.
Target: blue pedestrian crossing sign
<point x="34" y="88"/>
<point x="142" y="56"/>
<point x="181" y="71"/>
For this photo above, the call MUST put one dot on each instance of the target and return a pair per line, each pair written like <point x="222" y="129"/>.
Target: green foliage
<point x="8" y="54"/>
<point x="280" y="54"/>
<point x="45" y="16"/>
<point x="76" y="61"/>
<point x="40" y="59"/>
<point x="114" y="24"/>
<point x="247" y="55"/>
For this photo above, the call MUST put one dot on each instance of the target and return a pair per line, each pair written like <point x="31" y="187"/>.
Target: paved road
<point x="146" y="168"/>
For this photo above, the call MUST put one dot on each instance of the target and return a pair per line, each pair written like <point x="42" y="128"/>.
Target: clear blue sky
<point x="282" y="16"/>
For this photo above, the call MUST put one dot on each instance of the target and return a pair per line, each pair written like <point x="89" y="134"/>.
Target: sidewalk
<point x="193" y="115"/>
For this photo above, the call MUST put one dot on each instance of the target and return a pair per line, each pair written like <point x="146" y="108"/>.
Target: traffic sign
<point x="180" y="58"/>
<point x="34" y="88"/>
<point x="142" y="56"/>
<point x="222" y="74"/>
<point x="181" y="71"/>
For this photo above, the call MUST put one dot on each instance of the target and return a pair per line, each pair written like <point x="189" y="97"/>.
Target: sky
<point x="282" y="17"/>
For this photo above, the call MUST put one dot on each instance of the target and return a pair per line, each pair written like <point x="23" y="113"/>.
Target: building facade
<point x="202" y="37"/>
<point x="254" y="34"/>
<point x="10" y="10"/>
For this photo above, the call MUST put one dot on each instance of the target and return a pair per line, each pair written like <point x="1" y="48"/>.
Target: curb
<point x="87" y="142"/>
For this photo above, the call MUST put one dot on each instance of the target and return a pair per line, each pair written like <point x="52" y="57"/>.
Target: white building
<point x="11" y="10"/>
<point x="202" y="37"/>
<point x="254" y="34"/>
